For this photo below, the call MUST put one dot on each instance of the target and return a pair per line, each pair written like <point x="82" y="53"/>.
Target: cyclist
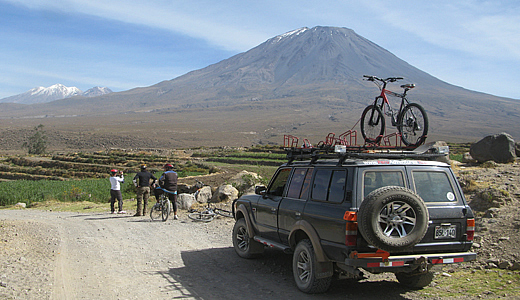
<point x="168" y="181"/>
<point x="142" y="182"/>
<point x="116" y="178"/>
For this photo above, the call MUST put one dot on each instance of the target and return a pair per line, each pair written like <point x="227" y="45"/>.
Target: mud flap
<point x="324" y="270"/>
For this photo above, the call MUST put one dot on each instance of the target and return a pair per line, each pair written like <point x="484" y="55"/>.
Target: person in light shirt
<point x="116" y="178"/>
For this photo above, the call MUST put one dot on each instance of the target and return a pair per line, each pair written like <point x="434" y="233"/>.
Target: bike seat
<point x="408" y="86"/>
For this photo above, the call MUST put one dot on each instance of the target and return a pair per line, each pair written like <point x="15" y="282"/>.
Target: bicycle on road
<point x="161" y="209"/>
<point x="209" y="213"/>
<point x="411" y="120"/>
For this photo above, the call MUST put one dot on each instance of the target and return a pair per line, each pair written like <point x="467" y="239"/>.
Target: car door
<point x="292" y="205"/>
<point x="266" y="210"/>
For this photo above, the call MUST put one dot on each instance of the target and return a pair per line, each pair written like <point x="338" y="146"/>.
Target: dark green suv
<point x="342" y="212"/>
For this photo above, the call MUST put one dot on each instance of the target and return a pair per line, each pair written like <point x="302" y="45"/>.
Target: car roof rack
<point x="342" y="153"/>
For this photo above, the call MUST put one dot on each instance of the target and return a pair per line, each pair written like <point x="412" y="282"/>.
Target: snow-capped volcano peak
<point x="54" y="92"/>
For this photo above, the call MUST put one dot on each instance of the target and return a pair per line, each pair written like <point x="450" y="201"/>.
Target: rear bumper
<point x="406" y="263"/>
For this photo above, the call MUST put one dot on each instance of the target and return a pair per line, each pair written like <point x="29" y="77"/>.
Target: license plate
<point x="445" y="232"/>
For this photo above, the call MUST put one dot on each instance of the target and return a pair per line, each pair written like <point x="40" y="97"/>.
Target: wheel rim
<point x="372" y="124"/>
<point x="242" y="239"/>
<point x="412" y="127"/>
<point x="397" y="219"/>
<point x="303" y="266"/>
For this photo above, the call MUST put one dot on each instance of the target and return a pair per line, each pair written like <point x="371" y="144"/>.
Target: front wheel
<point x="305" y="268"/>
<point x="372" y="124"/>
<point x="413" y="125"/>
<point x="202" y="216"/>
<point x="245" y="246"/>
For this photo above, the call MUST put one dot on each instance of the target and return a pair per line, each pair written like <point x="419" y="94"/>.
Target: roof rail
<point x="424" y="152"/>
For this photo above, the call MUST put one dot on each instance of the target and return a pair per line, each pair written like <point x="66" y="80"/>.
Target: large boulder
<point x="225" y="193"/>
<point x="499" y="148"/>
<point x="185" y="201"/>
<point x="245" y="182"/>
<point x="204" y="194"/>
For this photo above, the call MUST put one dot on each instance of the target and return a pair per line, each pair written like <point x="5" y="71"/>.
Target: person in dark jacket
<point x="168" y="181"/>
<point x="142" y="182"/>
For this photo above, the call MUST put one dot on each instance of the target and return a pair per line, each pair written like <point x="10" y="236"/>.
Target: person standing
<point x="168" y="181"/>
<point x="142" y="182"/>
<point x="116" y="179"/>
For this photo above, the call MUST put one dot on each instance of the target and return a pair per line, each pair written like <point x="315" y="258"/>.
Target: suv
<point x="339" y="213"/>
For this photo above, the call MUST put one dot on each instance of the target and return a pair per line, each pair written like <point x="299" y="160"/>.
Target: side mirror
<point x="260" y="190"/>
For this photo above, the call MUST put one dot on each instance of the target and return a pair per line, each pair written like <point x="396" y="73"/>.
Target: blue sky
<point x="123" y="44"/>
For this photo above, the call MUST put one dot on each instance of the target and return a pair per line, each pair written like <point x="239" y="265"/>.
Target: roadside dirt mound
<point x="493" y="192"/>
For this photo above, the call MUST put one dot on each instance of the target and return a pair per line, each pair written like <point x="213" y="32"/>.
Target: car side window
<point x="372" y="180"/>
<point x="433" y="186"/>
<point x="297" y="180"/>
<point x="278" y="184"/>
<point x="329" y="185"/>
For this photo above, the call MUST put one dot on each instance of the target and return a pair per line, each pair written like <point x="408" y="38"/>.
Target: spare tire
<point x="393" y="218"/>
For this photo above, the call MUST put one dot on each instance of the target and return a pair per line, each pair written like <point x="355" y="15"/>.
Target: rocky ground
<point x="51" y="255"/>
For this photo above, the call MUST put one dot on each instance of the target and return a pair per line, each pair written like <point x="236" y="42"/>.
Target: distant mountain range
<point x="307" y="83"/>
<point x="54" y="92"/>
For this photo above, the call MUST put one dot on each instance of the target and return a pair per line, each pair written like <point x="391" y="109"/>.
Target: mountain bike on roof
<point x="411" y="120"/>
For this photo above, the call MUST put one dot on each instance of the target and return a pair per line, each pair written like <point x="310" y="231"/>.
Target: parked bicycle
<point x="411" y="120"/>
<point x="209" y="213"/>
<point x="161" y="209"/>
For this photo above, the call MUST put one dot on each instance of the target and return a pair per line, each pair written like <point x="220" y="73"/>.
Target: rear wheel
<point x="305" y="268"/>
<point x="413" y="125"/>
<point x="165" y="210"/>
<point x="372" y="124"/>
<point x="224" y="213"/>
<point x="156" y="212"/>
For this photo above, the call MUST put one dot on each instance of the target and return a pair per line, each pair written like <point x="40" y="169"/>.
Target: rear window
<point x="372" y="180"/>
<point x="433" y="186"/>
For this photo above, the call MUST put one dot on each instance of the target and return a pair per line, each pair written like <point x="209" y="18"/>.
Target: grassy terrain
<point x="486" y="284"/>
<point x="78" y="177"/>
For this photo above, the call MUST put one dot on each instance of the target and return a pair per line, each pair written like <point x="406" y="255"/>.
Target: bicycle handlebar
<point x="389" y="79"/>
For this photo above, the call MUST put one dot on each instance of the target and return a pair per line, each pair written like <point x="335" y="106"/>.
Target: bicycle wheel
<point x="165" y="210"/>
<point x="413" y="125"/>
<point x="224" y="213"/>
<point x="156" y="212"/>
<point x="372" y="124"/>
<point x="203" y="216"/>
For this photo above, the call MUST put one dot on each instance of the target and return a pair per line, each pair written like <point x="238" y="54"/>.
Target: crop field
<point x="84" y="176"/>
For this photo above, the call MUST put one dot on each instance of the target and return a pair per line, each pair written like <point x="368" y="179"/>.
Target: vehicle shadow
<point x="220" y="274"/>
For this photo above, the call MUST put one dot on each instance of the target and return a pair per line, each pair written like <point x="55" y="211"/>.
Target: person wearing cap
<point x="116" y="179"/>
<point x="168" y="181"/>
<point x="142" y="182"/>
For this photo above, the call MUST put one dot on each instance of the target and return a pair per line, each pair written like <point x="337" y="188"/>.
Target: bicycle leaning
<point x="161" y="209"/>
<point x="411" y="120"/>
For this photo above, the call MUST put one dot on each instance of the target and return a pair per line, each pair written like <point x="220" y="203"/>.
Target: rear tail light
<point x="351" y="228"/>
<point x="470" y="229"/>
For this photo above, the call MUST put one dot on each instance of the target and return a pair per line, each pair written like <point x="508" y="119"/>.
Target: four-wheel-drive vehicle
<point x="341" y="213"/>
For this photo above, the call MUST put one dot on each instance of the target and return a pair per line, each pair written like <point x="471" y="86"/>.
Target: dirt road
<point x="57" y="255"/>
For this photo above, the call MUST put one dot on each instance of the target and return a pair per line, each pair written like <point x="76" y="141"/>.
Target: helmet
<point x="143" y="167"/>
<point x="113" y="171"/>
<point x="168" y="166"/>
